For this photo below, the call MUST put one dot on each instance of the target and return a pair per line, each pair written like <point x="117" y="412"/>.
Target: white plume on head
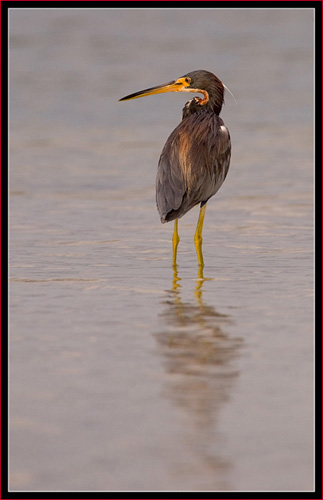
<point x="226" y="88"/>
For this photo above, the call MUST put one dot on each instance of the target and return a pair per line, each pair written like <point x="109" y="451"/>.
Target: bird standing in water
<point x="196" y="157"/>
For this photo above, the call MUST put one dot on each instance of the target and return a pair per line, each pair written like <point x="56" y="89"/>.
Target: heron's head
<point x="200" y="81"/>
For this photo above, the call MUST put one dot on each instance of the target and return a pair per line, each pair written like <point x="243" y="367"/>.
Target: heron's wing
<point x="170" y="181"/>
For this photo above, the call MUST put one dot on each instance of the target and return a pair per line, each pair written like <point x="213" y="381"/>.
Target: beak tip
<point x="167" y="87"/>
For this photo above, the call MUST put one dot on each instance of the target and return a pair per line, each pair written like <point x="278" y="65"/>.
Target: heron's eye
<point x="187" y="80"/>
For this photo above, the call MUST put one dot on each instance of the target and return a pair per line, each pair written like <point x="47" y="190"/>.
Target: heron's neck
<point x="194" y="106"/>
<point x="214" y="103"/>
<point x="216" y="96"/>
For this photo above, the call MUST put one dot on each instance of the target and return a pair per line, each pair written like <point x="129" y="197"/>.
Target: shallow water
<point x="124" y="374"/>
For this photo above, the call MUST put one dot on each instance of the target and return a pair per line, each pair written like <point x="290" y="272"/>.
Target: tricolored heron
<point x="196" y="157"/>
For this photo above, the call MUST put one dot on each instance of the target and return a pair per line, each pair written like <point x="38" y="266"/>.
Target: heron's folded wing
<point x="170" y="181"/>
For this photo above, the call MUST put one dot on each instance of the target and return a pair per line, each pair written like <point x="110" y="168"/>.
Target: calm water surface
<point x="124" y="374"/>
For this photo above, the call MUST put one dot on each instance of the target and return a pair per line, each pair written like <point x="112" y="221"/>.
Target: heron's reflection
<point x="200" y="356"/>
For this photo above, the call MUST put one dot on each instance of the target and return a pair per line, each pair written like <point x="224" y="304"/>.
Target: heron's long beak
<point x="174" y="86"/>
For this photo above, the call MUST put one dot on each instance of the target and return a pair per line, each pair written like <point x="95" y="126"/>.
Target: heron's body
<point x="196" y="157"/>
<point x="192" y="167"/>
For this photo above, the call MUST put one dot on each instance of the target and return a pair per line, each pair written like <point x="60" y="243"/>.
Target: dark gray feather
<point x="193" y="164"/>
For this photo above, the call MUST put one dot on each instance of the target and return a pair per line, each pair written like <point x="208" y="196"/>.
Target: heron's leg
<point x="198" y="236"/>
<point x="175" y="241"/>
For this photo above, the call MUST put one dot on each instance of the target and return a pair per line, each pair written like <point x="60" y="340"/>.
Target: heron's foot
<point x="198" y="245"/>
<point x="198" y="236"/>
<point x="200" y="258"/>
<point x="175" y="245"/>
<point x="176" y="240"/>
<point x="198" y="240"/>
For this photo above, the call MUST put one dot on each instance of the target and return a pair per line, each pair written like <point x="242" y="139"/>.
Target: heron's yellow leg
<point x="198" y="236"/>
<point x="175" y="241"/>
